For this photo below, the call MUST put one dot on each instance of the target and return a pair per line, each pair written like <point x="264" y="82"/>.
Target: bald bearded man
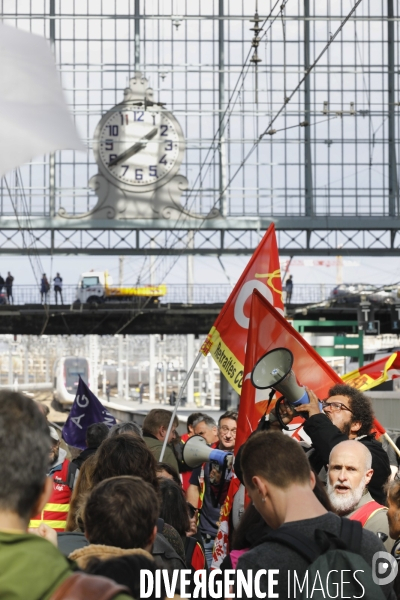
<point x="349" y="473"/>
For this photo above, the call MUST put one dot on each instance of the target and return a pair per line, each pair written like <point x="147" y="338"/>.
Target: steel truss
<point x="327" y="176"/>
<point x="296" y="236"/>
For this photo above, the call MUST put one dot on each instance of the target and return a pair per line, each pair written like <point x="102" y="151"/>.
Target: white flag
<point x="34" y="118"/>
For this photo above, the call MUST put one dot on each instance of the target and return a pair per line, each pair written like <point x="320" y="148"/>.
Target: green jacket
<point x="156" y="445"/>
<point x="31" y="568"/>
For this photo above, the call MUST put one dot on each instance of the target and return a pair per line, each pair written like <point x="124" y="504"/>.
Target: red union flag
<point x="374" y="373"/>
<point x="227" y="339"/>
<point x="269" y="330"/>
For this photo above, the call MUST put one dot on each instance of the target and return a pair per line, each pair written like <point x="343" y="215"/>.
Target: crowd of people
<point x="7" y="283"/>
<point x="45" y="287"/>
<point x="75" y="525"/>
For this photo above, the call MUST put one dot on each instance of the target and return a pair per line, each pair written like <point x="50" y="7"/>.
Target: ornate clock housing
<point x="138" y="147"/>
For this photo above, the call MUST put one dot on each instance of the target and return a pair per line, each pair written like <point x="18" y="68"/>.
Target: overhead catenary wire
<point x="223" y="124"/>
<point x="308" y="71"/>
<point x="21" y="186"/>
<point x="265" y="132"/>
<point x="27" y="247"/>
<point x="31" y="254"/>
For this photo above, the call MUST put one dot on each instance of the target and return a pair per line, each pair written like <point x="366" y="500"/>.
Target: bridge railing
<point x="308" y="293"/>
<point x="30" y="294"/>
<point x="176" y="293"/>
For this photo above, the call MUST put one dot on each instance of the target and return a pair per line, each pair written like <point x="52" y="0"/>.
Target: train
<point x="66" y="374"/>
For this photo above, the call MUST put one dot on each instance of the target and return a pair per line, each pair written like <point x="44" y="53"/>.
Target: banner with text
<point x="374" y="373"/>
<point x="228" y="336"/>
<point x="86" y="410"/>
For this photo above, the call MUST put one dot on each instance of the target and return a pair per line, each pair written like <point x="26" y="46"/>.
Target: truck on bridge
<point x="96" y="287"/>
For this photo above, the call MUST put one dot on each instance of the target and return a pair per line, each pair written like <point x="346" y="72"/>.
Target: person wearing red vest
<point x="55" y="511"/>
<point x="209" y="483"/>
<point x="393" y="515"/>
<point x="184" y="470"/>
<point x="349" y="473"/>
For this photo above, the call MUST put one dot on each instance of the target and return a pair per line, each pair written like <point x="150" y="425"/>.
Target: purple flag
<point x="86" y="410"/>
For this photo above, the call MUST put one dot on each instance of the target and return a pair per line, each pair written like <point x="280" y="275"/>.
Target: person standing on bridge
<point x="58" y="287"/>
<point x="44" y="288"/>
<point x="289" y="289"/>
<point x="9" y="286"/>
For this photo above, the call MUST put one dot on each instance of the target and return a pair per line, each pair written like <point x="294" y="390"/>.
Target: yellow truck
<point x="96" y="287"/>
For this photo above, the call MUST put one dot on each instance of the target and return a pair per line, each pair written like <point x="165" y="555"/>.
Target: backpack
<point x="80" y="586"/>
<point x="71" y="475"/>
<point x="328" y="556"/>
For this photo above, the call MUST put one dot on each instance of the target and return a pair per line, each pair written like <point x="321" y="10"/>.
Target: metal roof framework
<point x="329" y="185"/>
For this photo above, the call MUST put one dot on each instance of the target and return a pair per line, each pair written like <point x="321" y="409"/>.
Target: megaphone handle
<point x="221" y="484"/>
<point x="278" y="415"/>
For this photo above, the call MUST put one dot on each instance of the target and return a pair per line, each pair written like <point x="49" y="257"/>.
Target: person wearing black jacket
<point x="347" y="415"/>
<point x="95" y="434"/>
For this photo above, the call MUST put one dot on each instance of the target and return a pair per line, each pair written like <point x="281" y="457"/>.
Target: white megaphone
<point x="274" y="370"/>
<point x="196" y="452"/>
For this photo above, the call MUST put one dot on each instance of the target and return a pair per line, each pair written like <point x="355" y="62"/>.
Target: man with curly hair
<point x="347" y="415"/>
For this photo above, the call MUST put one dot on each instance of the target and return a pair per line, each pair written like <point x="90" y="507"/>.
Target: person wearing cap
<point x="63" y="473"/>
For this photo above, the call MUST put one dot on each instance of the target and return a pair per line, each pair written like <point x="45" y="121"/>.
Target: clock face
<point x="138" y="147"/>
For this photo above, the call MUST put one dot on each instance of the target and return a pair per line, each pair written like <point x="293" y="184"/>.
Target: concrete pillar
<point x="211" y="376"/>
<point x="152" y="368"/>
<point x="190" y="268"/>
<point x="26" y="362"/>
<point x="10" y="365"/>
<point x="229" y="397"/>
<point x="165" y="367"/>
<point x="104" y="382"/>
<point x="121" y="271"/>
<point x="93" y="363"/>
<point x="120" y="379"/>
<point x="126" y="368"/>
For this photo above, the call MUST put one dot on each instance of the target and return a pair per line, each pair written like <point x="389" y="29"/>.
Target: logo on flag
<point x="374" y="373"/>
<point x="86" y="410"/>
<point x="228" y="336"/>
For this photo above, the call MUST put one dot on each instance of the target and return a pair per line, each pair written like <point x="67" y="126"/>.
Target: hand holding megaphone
<point x="313" y="407"/>
<point x="274" y="370"/>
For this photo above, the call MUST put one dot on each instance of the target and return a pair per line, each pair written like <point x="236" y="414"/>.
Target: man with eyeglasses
<point x="347" y="414"/>
<point x="209" y="484"/>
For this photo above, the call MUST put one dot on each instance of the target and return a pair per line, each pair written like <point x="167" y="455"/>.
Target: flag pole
<point x="178" y="401"/>
<point x="391" y="442"/>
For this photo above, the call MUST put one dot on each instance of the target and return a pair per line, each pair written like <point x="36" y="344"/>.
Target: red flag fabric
<point x="269" y="330"/>
<point x="221" y="546"/>
<point x="374" y="373"/>
<point x="228" y="336"/>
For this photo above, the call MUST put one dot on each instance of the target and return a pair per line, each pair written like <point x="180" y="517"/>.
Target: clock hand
<point x="137" y="146"/>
